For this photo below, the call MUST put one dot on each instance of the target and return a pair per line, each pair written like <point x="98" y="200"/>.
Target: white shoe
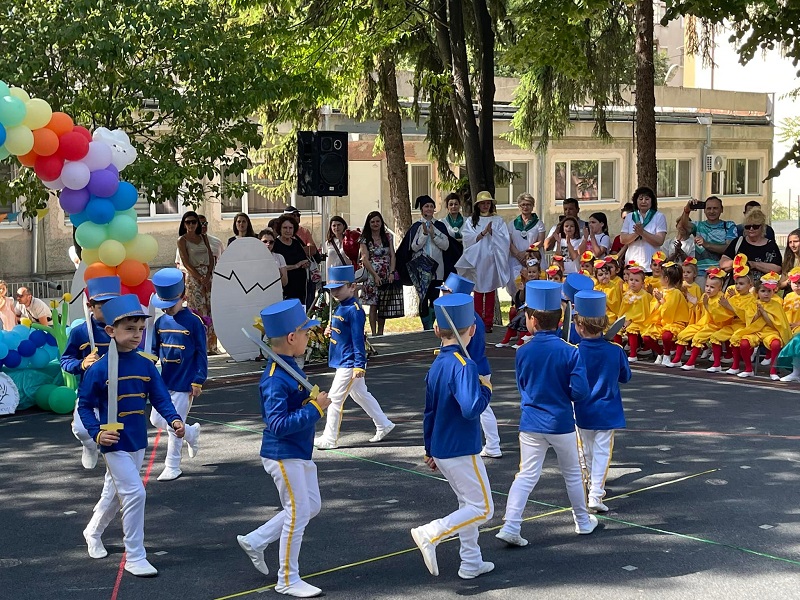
<point x="705" y="353"/>
<point x="632" y="359"/>
<point x="774" y="377"/>
<point x="793" y="376"/>
<point x="659" y="360"/>
<point x="669" y="364"/>
<point x="766" y="362"/>
<point x="193" y="440"/>
<point x="518" y="345"/>
<point x="255" y="556"/>
<point x="501" y="345"/>
<point x="486" y="454"/>
<point x="300" y="589"/>
<point x="587" y="529"/>
<point x="169" y="474"/>
<point x="689" y="368"/>
<point x="95" y="546"/>
<point x="526" y="338"/>
<point x="89" y="457"/>
<point x="141" y="568"/>
<point x="486" y="567"/>
<point x="322" y="444"/>
<point x="733" y="371"/>
<point x="513" y="539"/>
<point x="597" y="506"/>
<point x="428" y="550"/>
<point x="744" y="374"/>
<point x="382" y="432"/>
<point x="714" y="370"/>
<point x="727" y="361"/>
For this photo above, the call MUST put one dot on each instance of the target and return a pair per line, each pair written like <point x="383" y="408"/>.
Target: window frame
<point x="527" y="182"/>
<point x="723" y="179"/>
<point x="410" y="173"/>
<point x="245" y="206"/>
<point x="16" y="206"/>
<point x="154" y="216"/>
<point x="600" y="158"/>
<point x="678" y="160"/>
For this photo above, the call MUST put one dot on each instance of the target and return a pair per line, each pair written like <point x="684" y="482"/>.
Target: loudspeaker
<point x="322" y="163"/>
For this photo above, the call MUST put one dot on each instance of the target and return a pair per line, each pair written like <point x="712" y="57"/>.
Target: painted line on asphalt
<point x="754" y="385"/>
<point x="716" y="434"/>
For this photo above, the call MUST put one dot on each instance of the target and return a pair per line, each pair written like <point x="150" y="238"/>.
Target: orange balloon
<point x="98" y="269"/>
<point x="28" y="159"/>
<point x="132" y="272"/>
<point x="60" y="123"/>
<point x="45" y="141"/>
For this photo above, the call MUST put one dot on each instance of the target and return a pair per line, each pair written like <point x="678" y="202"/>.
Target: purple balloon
<point x="75" y="175"/>
<point x="73" y="201"/>
<point x="103" y="183"/>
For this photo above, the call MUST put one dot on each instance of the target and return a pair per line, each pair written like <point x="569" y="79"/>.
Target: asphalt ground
<point x="703" y="495"/>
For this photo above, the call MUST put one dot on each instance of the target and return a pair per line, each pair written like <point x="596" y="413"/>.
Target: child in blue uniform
<point x="348" y="355"/>
<point x="286" y="446"/>
<point x="82" y="352"/>
<point x="455" y="397"/>
<point x="551" y="377"/>
<point x="123" y="449"/>
<point x="597" y="418"/>
<point x="180" y="343"/>
<point x="455" y="284"/>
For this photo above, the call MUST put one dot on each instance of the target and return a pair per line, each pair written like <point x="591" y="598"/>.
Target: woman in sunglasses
<point x="763" y="254"/>
<point x="267" y="236"/>
<point x="197" y="259"/>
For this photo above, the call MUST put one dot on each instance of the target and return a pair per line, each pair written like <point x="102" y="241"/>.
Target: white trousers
<point x="182" y="402"/>
<point x="598" y="447"/>
<point x="467" y="476"/>
<point x="489" y="427"/>
<point x="342" y="386"/>
<point x="533" y="448"/>
<point x="79" y="431"/>
<point x="298" y="489"/>
<point x="123" y="488"/>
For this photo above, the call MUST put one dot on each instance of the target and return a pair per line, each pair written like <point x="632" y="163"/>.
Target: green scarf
<point x="520" y="225"/>
<point x="456" y="224"/>
<point x="647" y="218"/>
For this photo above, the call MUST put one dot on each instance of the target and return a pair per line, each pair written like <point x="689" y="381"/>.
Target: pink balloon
<point x="56" y="184"/>
<point x="75" y="175"/>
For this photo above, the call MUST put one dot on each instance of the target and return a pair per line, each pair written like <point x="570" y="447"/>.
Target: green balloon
<point x="62" y="400"/>
<point x="122" y="228"/>
<point x="42" y="395"/>
<point x="91" y="235"/>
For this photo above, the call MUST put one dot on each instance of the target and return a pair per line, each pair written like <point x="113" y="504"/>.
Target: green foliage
<point x="780" y="212"/>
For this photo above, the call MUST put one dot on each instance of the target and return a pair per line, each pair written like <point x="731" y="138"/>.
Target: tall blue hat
<point x="101" y="289"/>
<point x="543" y="295"/>
<point x="123" y="306"/>
<point x="455" y="284"/>
<point x="285" y="317"/>
<point x="460" y="308"/>
<point x="169" y="284"/>
<point x="339" y="276"/>
<point x="576" y="282"/>
<point x="590" y="303"/>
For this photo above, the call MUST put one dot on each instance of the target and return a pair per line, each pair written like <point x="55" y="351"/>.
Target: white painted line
<point x="71" y="512"/>
<point x="745" y="467"/>
<point x="766" y="526"/>
<point x="716" y="382"/>
<point x="160" y="553"/>
<point x="392" y="501"/>
<point x="630" y="568"/>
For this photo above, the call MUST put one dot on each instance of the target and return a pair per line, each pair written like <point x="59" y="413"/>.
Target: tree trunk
<point x="486" y="40"/>
<point x="645" y="96"/>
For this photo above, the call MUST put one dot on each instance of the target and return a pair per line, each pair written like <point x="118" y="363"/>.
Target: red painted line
<point x="145" y="479"/>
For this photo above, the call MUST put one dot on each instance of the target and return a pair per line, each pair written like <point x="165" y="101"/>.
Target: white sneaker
<point x="632" y="359"/>
<point x="95" y="546"/>
<point x="255" y="556"/>
<point x="89" y="457"/>
<point x="588" y="528"/>
<point x="382" y="432"/>
<point x="518" y="345"/>
<point x="705" y="353"/>
<point x="169" y="474"/>
<point x="428" y="550"/>
<point x="322" y="444"/>
<point x="659" y="360"/>
<point x="793" y="376"/>
<point x="486" y="567"/>
<point x="501" y="345"/>
<point x="526" y="338"/>
<point x="486" y="454"/>
<point x="733" y="371"/>
<point x="513" y="539"/>
<point x="744" y="374"/>
<point x="714" y="370"/>
<point x="774" y="377"/>
<point x="193" y="439"/>
<point x="597" y="506"/>
<point x="690" y="368"/>
<point x="669" y="364"/>
<point x="141" y="568"/>
<point x="300" y="589"/>
<point x="766" y="362"/>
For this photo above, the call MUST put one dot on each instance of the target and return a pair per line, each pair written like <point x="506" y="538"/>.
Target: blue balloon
<point x="26" y="348"/>
<point x="2" y="135"/>
<point x="52" y="351"/>
<point x="40" y="358"/>
<point x="12" y="339"/>
<point x="23" y="362"/>
<point x="3" y="350"/>
<point x="22" y="331"/>
<point x="13" y="359"/>
<point x="78" y="219"/>
<point x="100" y="210"/>
<point x="125" y="197"/>
<point x="38" y="337"/>
<point x="50" y="339"/>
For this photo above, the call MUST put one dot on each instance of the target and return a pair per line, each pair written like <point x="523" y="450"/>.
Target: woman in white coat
<point x="485" y="258"/>
<point x="525" y="230"/>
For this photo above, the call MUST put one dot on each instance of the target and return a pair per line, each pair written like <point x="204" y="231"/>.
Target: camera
<point x="697" y="205"/>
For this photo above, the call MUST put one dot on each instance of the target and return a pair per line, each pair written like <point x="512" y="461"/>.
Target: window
<point x="8" y="172"/>
<point x="586" y="180"/>
<point x="674" y="178"/>
<point x="170" y="207"/>
<point x="255" y="203"/>
<point x="741" y="177"/>
<point x="419" y="181"/>
<point x="507" y="192"/>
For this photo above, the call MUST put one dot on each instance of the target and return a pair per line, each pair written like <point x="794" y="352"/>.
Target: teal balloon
<point x="12" y="111"/>
<point x="22" y="331"/>
<point x="12" y="339"/>
<point x="3" y="350"/>
<point x="131" y="212"/>
<point x="122" y="228"/>
<point x="91" y="235"/>
<point x="4" y="89"/>
<point x="42" y="395"/>
<point x="62" y="400"/>
<point x="40" y="358"/>
<point x="4" y="153"/>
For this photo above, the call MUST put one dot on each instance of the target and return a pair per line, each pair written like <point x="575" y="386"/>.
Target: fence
<point x="43" y="289"/>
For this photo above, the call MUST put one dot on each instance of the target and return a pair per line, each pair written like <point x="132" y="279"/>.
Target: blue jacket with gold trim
<point x="180" y="343"/>
<point x="138" y="381"/>
<point x="289" y="419"/>
<point x="477" y="347"/>
<point x="78" y="346"/>
<point x="454" y="401"/>
<point x="606" y="367"/>
<point x="347" y="348"/>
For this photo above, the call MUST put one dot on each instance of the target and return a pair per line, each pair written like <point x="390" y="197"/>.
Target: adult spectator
<point x="433" y="243"/>
<point x="568" y="243"/>
<point x="595" y="235"/>
<point x="217" y="246"/>
<point x="570" y="208"/>
<point x="617" y="247"/>
<point x="293" y="251"/>
<point x="304" y="234"/>
<point x="454" y="220"/>
<point x="28" y="307"/>
<point x="525" y="230"/>
<point x="763" y="254"/>
<point x="334" y="244"/>
<point x="769" y="231"/>
<point x="7" y="313"/>
<point x="681" y="247"/>
<point x="312" y="252"/>
<point x="791" y="256"/>
<point x="197" y="259"/>
<point x="242" y="227"/>
<point x="711" y="236"/>
<point x="645" y="229"/>
<point x="377" y="256"/>
<point x="267" y="237"/>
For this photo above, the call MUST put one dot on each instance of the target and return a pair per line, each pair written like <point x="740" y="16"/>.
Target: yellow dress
<point x="652" y="283"/>
<point x="613" y="299"/>
<point x="623" y="287"/>
<point x="670" y="315"/>
<point x="745" y="307"/>
<point x="714" y="318"/>
<point x="791" y="306"/>
<point x="695" y="310"/>
<point x="757" y="331"/>
<point x="636" y="308"/>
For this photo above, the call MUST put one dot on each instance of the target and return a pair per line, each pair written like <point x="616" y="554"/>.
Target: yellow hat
<point x="483" y="196"/>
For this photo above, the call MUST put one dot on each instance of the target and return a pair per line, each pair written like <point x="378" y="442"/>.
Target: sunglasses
<point x="752" y="227"/>
<point x="268" y="242"/>
<point x="203" y="223"/>
<point x="190" y="222"/>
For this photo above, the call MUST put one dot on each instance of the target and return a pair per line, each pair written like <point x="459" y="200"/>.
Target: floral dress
<point x="380" y="260"/>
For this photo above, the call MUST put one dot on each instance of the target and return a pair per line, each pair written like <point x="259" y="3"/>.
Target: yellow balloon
<point x="143" y="248"/>
<point x="90" y="256"/>
<point x="111" y="253"/>
<point x="18" y="92"/>
<point x="19" y="140"/>
<point x="38" y="113"/>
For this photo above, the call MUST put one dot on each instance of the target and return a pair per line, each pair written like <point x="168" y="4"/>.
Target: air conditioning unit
<point x="715" y="162"/>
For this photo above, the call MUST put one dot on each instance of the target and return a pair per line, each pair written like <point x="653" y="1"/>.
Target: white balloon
<point x="75" y="175"/>
<point x="56" y="184"/>
<point x="122" y="151"/>
<point x="98" y="157"/>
